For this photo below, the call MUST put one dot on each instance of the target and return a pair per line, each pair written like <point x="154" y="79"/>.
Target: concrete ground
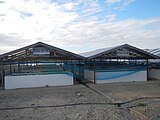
<point x="81" y="103"/>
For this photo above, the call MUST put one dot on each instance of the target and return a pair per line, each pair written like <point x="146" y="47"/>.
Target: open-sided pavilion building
<point x="37" y="65"/>
<point x="122" y="63"/>
<point x="41" y="64"/>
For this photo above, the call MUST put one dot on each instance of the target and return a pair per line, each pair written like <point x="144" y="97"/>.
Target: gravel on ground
<point x="50" y="97"/>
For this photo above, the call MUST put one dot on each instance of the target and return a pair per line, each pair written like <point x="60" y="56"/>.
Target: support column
<point x="94" y="72"/>
<point x="10" y="68"/>
<point x="66" y="65"/>
<point x="74" y="72"/>
<point x="18" y="67"/>
<point x="147" y="70"/>
<point x="27" y="65"/>
<point x="22" y="67"/>
<point x="2" y="75"/>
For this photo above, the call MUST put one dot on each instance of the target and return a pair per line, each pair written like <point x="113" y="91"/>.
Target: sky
<point x="79" y="25"/>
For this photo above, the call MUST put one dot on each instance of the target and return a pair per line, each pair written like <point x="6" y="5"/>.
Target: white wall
<point x="154" y="73"/>
<point x="137" y="76"/>
<point x="12" y="82"/>
<point x="89" y="75"/>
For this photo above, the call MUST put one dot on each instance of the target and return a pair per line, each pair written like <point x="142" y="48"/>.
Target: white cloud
<point x="119" y="4"/>
<point x="43" y="18"/>
<point x="71" y="25"/>
<point x="69" y="6"/>
<point x="124" y="4"/>
<point x="111" y="17"/>
<point x="99" y="35"/>
<point x="112" y="1"/>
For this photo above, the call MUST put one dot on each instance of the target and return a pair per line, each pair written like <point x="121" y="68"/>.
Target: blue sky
<point x="141" y="9"/>
<point x="79" y="25"/>
<point x="138" y="9"/>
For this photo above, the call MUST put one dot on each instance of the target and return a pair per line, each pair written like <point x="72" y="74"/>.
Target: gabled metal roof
<point x="100" y="53"/>
<point x="21" y="52"/>
<point x="154" y="51"/>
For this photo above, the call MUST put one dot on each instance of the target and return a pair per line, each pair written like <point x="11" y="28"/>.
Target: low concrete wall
<point x="115" y="76"/>
<point x="129" y="76"/>
<point x="154" y="74"/>
<point x="27" y="81"/>
<point x="89" y="75"/>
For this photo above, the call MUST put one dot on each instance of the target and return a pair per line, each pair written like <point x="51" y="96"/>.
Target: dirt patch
<point x="52" y="96"/>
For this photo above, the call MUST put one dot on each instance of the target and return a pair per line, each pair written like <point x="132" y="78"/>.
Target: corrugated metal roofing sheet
<point x="154" y="51"/>
<point x="94" y="52"/>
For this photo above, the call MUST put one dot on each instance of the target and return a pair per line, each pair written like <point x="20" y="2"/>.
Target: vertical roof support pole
<point x="74" y="71"/>
<point x="10" y="68"/>
<point x="18" y="66"/>
<point x="79" y="67"/>
<point x="147" y="70"/>
<point x="2" y="74"/>
<point x="94" y="71"/>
